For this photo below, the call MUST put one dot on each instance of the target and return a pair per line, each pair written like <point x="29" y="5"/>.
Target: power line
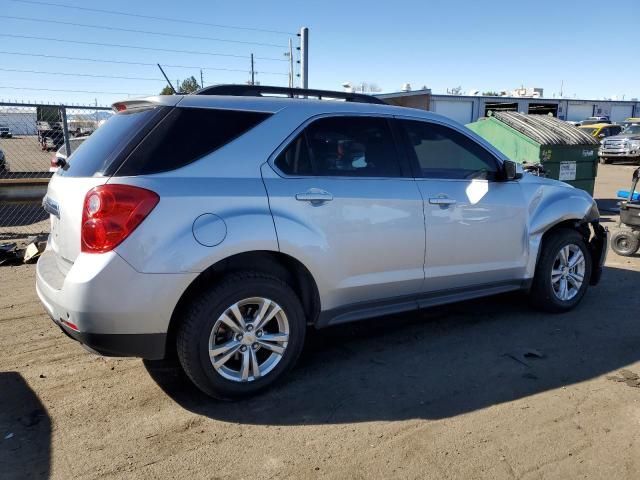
<point x="124" y="62"/>
<point x="151" y="17"/>
<point x="149" y="32"/>
<point x="74" y="91"/>
<point x="80" y="74"/>
<point x="135" y="47"/>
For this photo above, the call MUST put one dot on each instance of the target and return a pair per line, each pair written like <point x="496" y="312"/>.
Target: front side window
<point x="442" y="152"/>
<point x="342" y="146"/>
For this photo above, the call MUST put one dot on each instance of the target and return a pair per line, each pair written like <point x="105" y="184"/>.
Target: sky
<point x="589" y="47"/>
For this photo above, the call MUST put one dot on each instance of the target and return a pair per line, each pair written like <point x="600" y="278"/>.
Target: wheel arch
<point x="284" y="266"/>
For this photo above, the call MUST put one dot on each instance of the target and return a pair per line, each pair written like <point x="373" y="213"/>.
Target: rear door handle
<point x="315" y="196"/>
<point x="442" y="201"/>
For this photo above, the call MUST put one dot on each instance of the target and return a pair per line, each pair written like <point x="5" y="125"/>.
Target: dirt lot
<point x="445" y="393"/>
<point x="23" y="154"/>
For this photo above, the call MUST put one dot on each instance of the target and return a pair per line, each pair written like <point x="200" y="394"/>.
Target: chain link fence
<point x="32" y="138"/>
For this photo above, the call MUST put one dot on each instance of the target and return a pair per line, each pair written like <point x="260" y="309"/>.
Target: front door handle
<point x="442" y="201"/>
<point x="315" y="196"/>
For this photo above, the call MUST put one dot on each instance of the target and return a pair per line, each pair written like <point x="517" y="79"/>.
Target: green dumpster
<point x="566" y="153"/>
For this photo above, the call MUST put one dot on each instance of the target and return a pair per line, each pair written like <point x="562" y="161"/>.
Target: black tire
<point x="625" y="243"/>
<point x="200" y="317"/>
<point x="605" y="160"/>
<point x="542" y="295"/>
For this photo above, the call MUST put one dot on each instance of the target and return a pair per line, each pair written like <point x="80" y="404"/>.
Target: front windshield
<point x="633" y="129"/>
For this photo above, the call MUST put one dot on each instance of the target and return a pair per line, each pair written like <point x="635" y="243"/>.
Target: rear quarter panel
<point x="226" y="183"/>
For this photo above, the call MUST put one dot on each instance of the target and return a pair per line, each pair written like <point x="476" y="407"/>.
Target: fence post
<point x="65" y="130"/>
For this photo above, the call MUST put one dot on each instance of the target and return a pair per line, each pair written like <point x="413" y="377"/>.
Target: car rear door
<point x="475" y="224"/>
<point x="343" y="205"/>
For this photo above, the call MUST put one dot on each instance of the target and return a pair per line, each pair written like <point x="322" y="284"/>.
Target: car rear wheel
<point x="563" y="272"/>
<point x="625" y="243"/>
<point x="242" y="335"/>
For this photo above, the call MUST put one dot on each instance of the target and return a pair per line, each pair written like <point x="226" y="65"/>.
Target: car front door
<point x="475" y="223"/>
<point x="344" y="205"/>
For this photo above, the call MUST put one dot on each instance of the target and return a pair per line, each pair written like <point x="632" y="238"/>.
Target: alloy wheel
<point x="567" y="273"/>
<point x="249" y="339"/>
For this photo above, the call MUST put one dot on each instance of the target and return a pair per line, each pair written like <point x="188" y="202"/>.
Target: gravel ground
<point x="23" y="154"/>
<point x="483" y="389"/>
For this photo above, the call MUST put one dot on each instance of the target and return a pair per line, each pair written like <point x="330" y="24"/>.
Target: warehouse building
<point x="466" y="109"/>
<point x="21" y="121"/>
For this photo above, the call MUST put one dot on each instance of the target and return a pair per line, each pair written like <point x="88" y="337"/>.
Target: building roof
<point x="410" y="93"/>
<point x="500" y="98"/>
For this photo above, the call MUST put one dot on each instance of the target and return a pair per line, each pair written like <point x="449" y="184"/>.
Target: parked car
<point x="626" y="145"/>
<point x="5" y="132"/>
<point x="601" y="130"/>
<point x="630" y="121"/>
<point x="60" y="157"/>
<point x="594" y="120"/>
<point x="221" y="228"/>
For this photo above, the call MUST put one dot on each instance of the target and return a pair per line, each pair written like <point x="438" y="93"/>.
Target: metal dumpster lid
<point x="546" y="130"/>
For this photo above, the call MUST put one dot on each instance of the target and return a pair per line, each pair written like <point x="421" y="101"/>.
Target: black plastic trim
<point x="150" y="346"/>
<point x="389" y="306"/>
<point x="598" y="246"/>
<point x="260" y="90"/>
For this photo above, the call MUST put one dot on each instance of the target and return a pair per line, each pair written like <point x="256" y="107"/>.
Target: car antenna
<point x="167" y="79"/>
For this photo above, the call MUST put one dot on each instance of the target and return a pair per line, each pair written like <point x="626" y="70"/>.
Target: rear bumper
<point x="103" y="303"/>
<point x="145" y="345"/>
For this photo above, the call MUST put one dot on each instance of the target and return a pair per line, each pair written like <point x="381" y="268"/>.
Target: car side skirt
<point x="364" y="310"/>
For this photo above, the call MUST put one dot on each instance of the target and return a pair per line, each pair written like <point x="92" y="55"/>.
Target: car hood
<point x="622" y="136"/>
<point x="530" y="179"/>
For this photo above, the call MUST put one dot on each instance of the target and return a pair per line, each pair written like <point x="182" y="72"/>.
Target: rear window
<point x="107" y="143"/>
<point x="184" y="136"/>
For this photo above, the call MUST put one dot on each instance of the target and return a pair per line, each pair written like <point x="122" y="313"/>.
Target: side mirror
<point x="512" y="170"/>
<point x="601" y="135"/>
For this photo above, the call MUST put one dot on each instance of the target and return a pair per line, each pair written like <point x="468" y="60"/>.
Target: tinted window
<point x="342" y="146"/>
<point x="442" y="152"/>
<point x="102" y="148"/>
<point x="185" y="135"/>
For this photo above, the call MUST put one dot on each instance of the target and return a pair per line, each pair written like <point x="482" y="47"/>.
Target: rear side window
<point x="344" y="147"/>
<point x="105" y="145"/>
<point x="185" y="135"/>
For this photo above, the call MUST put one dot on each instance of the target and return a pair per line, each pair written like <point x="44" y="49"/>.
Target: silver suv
<point x="219" y="228"/>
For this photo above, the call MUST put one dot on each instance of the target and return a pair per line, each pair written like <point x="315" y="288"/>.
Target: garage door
<point x="579" y="111"/>
<point x="620" y="112"/>
<point x="459" y="111"/>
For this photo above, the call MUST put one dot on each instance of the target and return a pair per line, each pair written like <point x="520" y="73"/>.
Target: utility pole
<point x="561" y="87"/>
<point x="253" y="73"/>
<point x="304" y="57"/>
<point x="201" y="79"/>
<point x="290" y="63"/>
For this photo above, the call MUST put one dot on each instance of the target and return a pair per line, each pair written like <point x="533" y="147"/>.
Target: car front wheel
<point x="563" y="272"/>
<point x="242" y="335"/>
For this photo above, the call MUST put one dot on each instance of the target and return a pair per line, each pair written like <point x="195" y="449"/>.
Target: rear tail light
<point x="54" y="161"/>
<point x="111" y="212"/>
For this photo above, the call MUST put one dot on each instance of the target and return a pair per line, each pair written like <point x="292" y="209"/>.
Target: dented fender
<point x="551" y="203"/>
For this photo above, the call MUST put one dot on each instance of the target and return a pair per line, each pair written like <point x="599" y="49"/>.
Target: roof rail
<point x="262" y="90"/>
